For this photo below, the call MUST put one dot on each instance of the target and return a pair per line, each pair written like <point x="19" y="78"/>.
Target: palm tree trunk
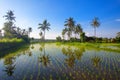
<point x="95" y="32"/>
<point x="44" y="35"/>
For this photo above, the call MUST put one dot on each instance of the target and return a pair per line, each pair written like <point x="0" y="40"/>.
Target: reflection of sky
<point x="83" y="11"/>
<point x="29" y="65"/>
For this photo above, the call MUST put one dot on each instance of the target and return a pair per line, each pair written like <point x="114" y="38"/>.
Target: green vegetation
<point x="112" y="47"/>
<point x="11" y="43"/>
<point x="13" y="36"/>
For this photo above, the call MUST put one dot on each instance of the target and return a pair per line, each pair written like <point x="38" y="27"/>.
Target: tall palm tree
<point x="8" y="26"/>
<point x="41" y="35"/>
<point x="95" y="23"/>
<point x="64" y="32"/>
<point x="70" y="23"/>
<point x="0" y="33"/>
<point x="78" y="29"/>
<point x="10" y="16"/>
<point x="29" y="31"/>
<point x="44" y="26"/>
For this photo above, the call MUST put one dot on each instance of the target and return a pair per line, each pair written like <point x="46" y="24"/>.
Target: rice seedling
<point x="67" y="63"/>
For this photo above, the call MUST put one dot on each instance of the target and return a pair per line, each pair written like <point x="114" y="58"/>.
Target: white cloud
<point x="117" y="20"/>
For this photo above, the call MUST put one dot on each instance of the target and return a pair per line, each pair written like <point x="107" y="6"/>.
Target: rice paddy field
<point x="53" y="61"/>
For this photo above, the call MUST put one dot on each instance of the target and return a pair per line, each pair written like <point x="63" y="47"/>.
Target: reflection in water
<point x="9" y="63"/>
<point x="30" y="53"/>
<point x="9" y="69"/>
<point x="72" y="54"/>
<point x="44" y="58"/>
<point x="32" y="47"/>
<point x="63" y="63"/>
<point x="96" y="60"/>
<point x="70" y="61"/>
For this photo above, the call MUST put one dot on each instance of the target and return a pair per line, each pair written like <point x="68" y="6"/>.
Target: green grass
<point x="10" y="43"/>
<point x="97" y="46"/>
<point x="6" y="40"/>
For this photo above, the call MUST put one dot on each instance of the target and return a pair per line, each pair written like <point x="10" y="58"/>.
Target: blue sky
<point x="31" y="12"/>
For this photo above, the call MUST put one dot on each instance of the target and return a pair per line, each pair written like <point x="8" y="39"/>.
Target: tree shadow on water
<point x="44" y="58"/>
<point x="9" y="63"/>
<point x="72" y="54"/>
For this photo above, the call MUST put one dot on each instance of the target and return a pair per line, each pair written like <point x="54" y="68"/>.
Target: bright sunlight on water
<point x="60" y="62"/>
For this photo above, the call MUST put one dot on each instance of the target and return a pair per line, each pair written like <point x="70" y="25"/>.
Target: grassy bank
<point x="6" y="44"/>
<point x="112" y="47"/>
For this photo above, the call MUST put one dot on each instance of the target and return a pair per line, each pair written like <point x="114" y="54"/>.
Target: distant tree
<point x="58" y="38"/>
<point x="70" y="23"/>
<point x="0" y="33"/>
<point x="118" y="37"/>
<point x="95" y="23"/>
<point x="118" y="34"/>
<point x="82" y="37"/>
<point x="44" y="26"/>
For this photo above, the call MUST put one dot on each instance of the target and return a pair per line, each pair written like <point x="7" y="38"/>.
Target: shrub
<point x="58" y="38"/>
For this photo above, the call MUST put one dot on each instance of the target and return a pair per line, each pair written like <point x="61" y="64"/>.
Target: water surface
<point x="60" y="62"/>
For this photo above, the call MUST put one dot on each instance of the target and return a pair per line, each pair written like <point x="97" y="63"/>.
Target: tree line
<point x="71" y="32"/>
<point x="74" y="32"/>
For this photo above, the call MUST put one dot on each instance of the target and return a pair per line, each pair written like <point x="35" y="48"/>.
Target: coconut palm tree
<point x="64" y="32"/>
<point x="70" y="23"/>
<point x="29" y="31"/>
<point x="78" y="29"/>
<point x="8" y="26"/>
<point x="44" y="26"/>
<point x="0" y="33"/>
<point x="95" y="23"/>
<point x="10" y="16"/>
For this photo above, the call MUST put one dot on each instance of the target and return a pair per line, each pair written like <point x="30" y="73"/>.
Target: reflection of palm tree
<point x="9" y="65"/>
<point x="32" y="47"/>
<point x="96" y="61"/>
<point x="70" y="61"/>
<point x="9" y="70"/>
<point x="79" y="53"/>
<point x="42" y="47"/>
<point x="30" y="53"/>
<point x="9" y="60"/>
<point x="72" y="54"/>
<point x="44" y="58"/>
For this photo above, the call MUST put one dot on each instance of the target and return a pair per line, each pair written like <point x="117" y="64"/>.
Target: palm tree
<point x="41" y="35"/>
<point x="78" y="29"/>
<point x="95" y="23"/>
<point x="44" y="26"/>
<point x="10" y="16"/>
<point x="0" y="33"/>
<point x="29" y="30"/>
<point x="64" y="32"/>
<point x="118" y="35"/>
<point x="70" y="23"/>
<point x="8" y="26"/>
